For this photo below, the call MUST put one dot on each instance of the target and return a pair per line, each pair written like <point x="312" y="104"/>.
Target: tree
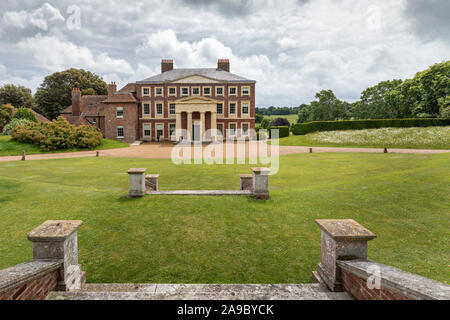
<point x="328" y="107"/>
<point x="280" y="122"/>
<point x="380" y="102"/>
<point x="303" y="114"/>
<point x="18" y="96"/>
<point x="25" y="113"/>
<point x="55" y="93"/>
<point x="6" y="113"/>
<point x="258" y="118"/>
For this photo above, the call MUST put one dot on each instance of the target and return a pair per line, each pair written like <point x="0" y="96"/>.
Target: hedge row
<point x="283" y="131"/>
<point x="305" y="128"/>
<point x="58" y="134"/>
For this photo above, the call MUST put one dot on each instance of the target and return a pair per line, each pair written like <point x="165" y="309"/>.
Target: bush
<point x="6" y="113"/>
<point x="14" y="123"/>
<point x="305" y="128"/>
<point x="265" y="123"/>
<point x="280" y="122"/>
<point x="25" y="113"/>
<point x="284" y="131"/>
<point x="58" y="134"/>
<point x="445" y="113"/>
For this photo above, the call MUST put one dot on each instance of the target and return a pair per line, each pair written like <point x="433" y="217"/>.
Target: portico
<point x="196" y="119"/>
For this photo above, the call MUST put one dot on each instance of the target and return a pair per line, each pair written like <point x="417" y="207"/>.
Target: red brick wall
<point x="357" y="287"/>
<point x="36" y="289"/>
<point x="129" y="121"/>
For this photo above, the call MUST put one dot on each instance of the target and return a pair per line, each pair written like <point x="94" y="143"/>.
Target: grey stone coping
<point x="54" y="230"/>
<point x="23" y="273"/>
<point x="260" y="170"/>
<point x="346" y="229"/>
<point x="246" y="176"/>
<point x="152" y="176"/>
<point x="200" y="292"/>
<point x="136" y="170"/>
<point x="202" y="193"/>
<point x="408" y="284"/>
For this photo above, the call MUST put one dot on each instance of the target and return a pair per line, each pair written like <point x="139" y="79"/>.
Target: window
<point x="220" y="129"/>
<point x="219" y="108"/>
<point x="172" y="108"/>
<point x="245" y="129"/>
<point x="119" y="112"/>
<point x="219" y="91"/>
<point x="159" y="108"/>
<point x="172" y="91"/>
<point x="184" y="91"/>
<point x="146" y="91"/>
<point x="245" y="91"/>
<point x="232" y="131"/>
<point x="146" y="108"/>
<point x="195" y="91"/>
<point x="233" y="91"/>
<point x="94" y="121"/>
<point x="158" y="91"/>
<point x="207" y="91"/>
<point x="172" y="128"/>
<point x="120" y="132"/>
<point x="147" y="130"/>
<point x="159" y="131"/>
<point x="232" y="108"/>
<point x="245" y="108"/>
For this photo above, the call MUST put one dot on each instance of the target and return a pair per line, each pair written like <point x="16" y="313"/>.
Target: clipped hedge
<point x="58" y="134"/>
<point x="309" y="127"/>
<point x="284" y="131"/>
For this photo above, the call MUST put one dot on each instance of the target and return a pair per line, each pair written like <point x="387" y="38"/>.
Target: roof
<point x="121" y="97"/>
<point x="90" y="105"/>
<point x="130" y="87"/>
<point x="213" y="73"/>
<point x="39" y="117"/>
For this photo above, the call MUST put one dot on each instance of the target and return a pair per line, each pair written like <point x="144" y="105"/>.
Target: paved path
<point x="164" y="151"/>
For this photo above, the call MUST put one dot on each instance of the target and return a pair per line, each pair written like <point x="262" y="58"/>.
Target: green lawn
<point x="291" y="117"/>
<point x="9" y="147"/>
<point x="403" y="198"/>
<point x="412" y="138"/>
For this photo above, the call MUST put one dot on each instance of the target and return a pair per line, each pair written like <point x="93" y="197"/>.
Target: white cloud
<point x="54" y="54"/>
<point x="39" y="18"/>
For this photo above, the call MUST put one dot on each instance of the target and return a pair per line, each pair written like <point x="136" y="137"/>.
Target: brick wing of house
<point x="200" y="104"/>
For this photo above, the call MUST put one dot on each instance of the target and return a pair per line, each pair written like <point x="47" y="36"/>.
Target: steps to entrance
<point x="200" y="292"/>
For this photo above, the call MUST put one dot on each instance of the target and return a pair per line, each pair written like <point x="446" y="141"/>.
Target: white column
<point x="189" y="125"/>
<point x="178" y="127"/>
<point x="213" y="126"/>
<point x="202" y="125"/>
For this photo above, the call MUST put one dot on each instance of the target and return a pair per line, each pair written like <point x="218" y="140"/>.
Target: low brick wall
<point x="32" y="280"/>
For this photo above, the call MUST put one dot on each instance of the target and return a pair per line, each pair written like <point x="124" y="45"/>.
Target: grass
<point x="292" y="118"/>
<point x="409" y="138"/>
<point x="403" y="198"/>
<point x="9" y="147"/>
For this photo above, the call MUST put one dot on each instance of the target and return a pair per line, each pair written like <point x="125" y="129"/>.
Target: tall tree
<point x="327" y="107"/>
<point x="55" y="93"/>
<point x="18" y="96"/>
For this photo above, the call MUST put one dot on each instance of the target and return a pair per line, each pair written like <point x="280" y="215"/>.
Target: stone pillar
<point x="137" y="182"/>
<point x="341" y="240"/>
<point x="246" y="181"/>
<point x="202" y="126"/>
<point x="58" y="240"/>
<point x="178" y="129"/>
<point x="189" y="125"/>
<point x="261" y="183"/>
<point x="213" y="126"/>
<point x="151" y="182"/>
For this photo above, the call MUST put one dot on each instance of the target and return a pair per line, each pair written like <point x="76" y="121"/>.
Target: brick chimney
<point x="76" y="102"/>
<point x="223" y="64"/>
<point x="166" y="65"/>
<point x="112" y="88"/>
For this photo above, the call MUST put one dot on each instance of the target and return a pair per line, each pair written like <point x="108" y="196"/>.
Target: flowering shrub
<point x="14" y="123"/>
<point x="58" y="134"/>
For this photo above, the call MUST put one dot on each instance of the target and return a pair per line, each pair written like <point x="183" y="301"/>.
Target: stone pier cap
<point x="263" y="171"/>
<point x="137" y="170"/>
<point x="345" y="229"/>
<point x="54" y="230"/>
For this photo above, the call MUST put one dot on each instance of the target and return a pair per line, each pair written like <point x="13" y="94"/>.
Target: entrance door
<point x="196" y="132"/>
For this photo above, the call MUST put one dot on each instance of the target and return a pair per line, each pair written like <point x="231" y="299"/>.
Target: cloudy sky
<point x="292" y="48"/>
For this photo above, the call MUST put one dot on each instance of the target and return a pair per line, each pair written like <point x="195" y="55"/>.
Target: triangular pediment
<point x="198" y="100"/>
<point x="195" y="79"/>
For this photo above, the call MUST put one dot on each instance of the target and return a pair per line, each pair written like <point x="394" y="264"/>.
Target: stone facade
<point x="178" y="104"/>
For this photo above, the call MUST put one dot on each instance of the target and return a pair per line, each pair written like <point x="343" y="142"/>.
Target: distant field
<point x="292" y="118"/>
<point x="412" y="138"/>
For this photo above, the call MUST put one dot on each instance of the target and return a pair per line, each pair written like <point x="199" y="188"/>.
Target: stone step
<point x="199" y="292"/>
